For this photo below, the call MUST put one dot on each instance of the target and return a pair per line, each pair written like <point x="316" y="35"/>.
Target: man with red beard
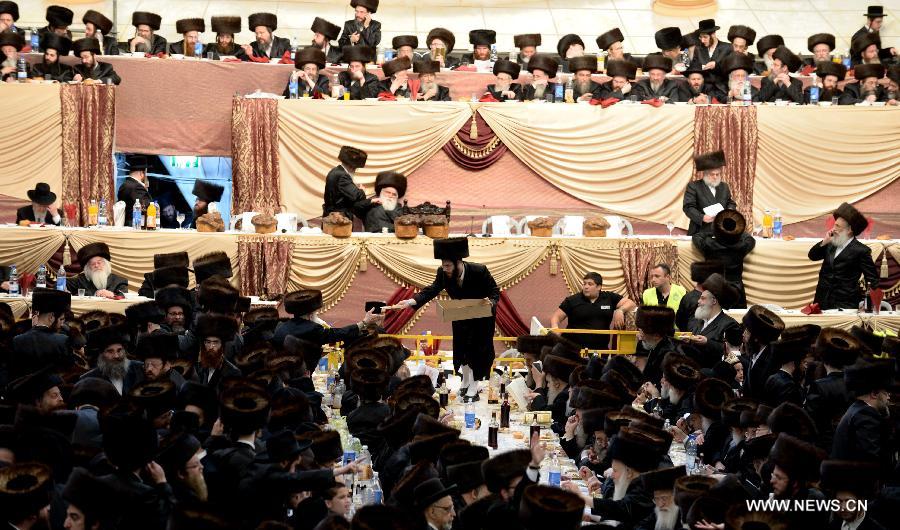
<point x="180" y="457"/>
<point x="213" y="331"/>
<point x="206" y="193"/>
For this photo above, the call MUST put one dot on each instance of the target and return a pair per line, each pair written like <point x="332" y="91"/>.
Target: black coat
<point x="607" y="91"/>
<point x="322" y="86"/>
<point x="670" y="89"/>
<point x="516" y="88"/>
<point x="333" y="55"/>
<point x="862" y="434"/>
<point x="853" y="96"/>
<point x="110" y="46"/>
<point x="731" y="255"/>
<point x="226" y="371"/>
<point x="686" y="309"/>
<point x="528" y="91"/>
<point x="697" y="197"/>
<point x="363" y="421"/>
<point x="102" y="72"/>
<point x="145" y="506"/>
<point x="378" y="218"/>
<point x="26" y="213"/>
<point x="133" y="376"/>
<point x="711" y="352"/>
<point x="594" y="90"/>
<point x="280" y="45"/>
<point x="224" y="470"/>
<point x="234" y="50"/>
<point x="780" y="388"/>
<point x="557" y="409"/>
<point x="755" y="376"/>
<point x="653" y="368"/>
<point x="838" y="285"/>
<point x="443" y="94"/>
<point x="38" y="348"/>
<point x="713" y="440"/>
<point x="826" y="402"/>
<point x="368" y="89"/>
<point x="385" y="86"/>
<point x="52" y="72"/>
<point x="342" y="195"/>
<point x="313" y="332"/>
<point x="473" y="343"/>
<point x="115" y="284"/>
<point x="158" y="45"/>
<point x="769" y="91"/>
<point x="370" y="36"/>
<point x="132" y="191"/>
<point x="710" y="90"/>
<point x="631" y="509"/>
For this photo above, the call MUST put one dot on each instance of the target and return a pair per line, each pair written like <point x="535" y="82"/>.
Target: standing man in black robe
<point x="864" y="431"/>
<point x="41" y="209"/>
<point x="706" y="192"/>
<point x="361" y="30"/>
<point x="324" y="33"/>
<point x="341" y="193"/>
<point x="844" y="260"/>
<point x="390" y="188"/>
<point x="43" y="345"/>
<point x="266" y="45"/>
<point x="135" y="187"/>
<point x="827" y="398"/>
<point x="711" y="51"/>
<point x="97" y="25"/>
<point x="473" y="345"/>
<point x="729" y="243"/>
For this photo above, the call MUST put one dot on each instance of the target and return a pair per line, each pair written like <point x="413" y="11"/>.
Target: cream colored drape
<point x="80" y="305"/>
<point x="811" y="159"/>
<point x="324" y="263"/>
<point x="578" y="256"/>
<point x="398" y="136"/>
<point x="27" y="248"/>
<point x="631" y="160"/>
<point x="30" y="139"/>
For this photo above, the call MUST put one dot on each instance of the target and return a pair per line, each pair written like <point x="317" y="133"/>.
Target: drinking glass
<point x="180" y="218"/>
<point x="670" y="226"/>
<point x="81" y="293"/>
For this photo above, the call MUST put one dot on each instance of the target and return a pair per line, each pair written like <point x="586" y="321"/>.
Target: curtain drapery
<point x="326" y="264"/>
<point x="395" y="321"/>
<point x="255" y="176"/>
<point x="475" y="146"/>
<point x="600" y="255"/>
<point x="638" y="257"/>
<point x="733" y="130"/>
<point x="88" y="124"/>
<point x="252" y="263"/>
<point x="508" y="318"/>
<point x="30" y="140"/>
<point x="400" y="136"/>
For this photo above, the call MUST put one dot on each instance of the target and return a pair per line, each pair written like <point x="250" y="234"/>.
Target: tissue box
<point x="453" y="310"/>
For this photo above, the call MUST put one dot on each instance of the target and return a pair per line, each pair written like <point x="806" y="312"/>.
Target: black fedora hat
<point x="875" y="12"/>
<point x="283" y="446"/>
<point x="428" y="492"/>
<point x="707" y="25"/>
<point x="41" y="194"/>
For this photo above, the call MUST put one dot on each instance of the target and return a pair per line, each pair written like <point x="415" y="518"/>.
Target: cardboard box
<point x="466" y="309"/>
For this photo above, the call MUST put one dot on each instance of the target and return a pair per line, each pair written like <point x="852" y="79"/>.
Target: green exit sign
<point x="184" y="162"/>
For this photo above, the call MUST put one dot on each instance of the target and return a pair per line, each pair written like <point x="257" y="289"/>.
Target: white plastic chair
<point x="500" y="225"/>
<point x="523" y="224"/>
<point x="618" y="226"/>
<point x="246" y="224"/>
<point x="569" y="225"/>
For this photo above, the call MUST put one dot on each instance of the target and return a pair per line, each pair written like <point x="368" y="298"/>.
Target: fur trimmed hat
<point x="397" y="65"/>
<point x="744" y="32"/>
<point x="527" y="39"/>
<point x="548" y="507"/>
<point x="445" y="35"/>
<point x="787" y="58"/>
<point x="668" y="38"/>
<point x="262" y="19"/>
<point x="711" y="160"/>
<point x="544" y="63"/>
<point x="361" y="54"/>
<point x="626" y="69"/>
<point x="352" y="157"/>
<point x="763" y="324"/>
<point x="769" y="42"/>
<point x="605" y="40"/>
<point x="216" y="326"/>
<point x="92" y="250"/>
<point x="507" y="67"/>
<point x="310" y="55"/>
<point x="500" y="470"/>
<point x="565" y="42"/>
<point x="681" y="371"/>
<point x="303" y="302"/>
<point x="145" y="18"/>
<point x="212" y="264"/>
<point x="583" y="62"/>
<point x="655" y="320"/>
<point x="657" y="62"/>
<point x="225" y="24"/>
<point x="662" y="479"/>
<point x="710" y="395"/>
<point x="848" y="213"/>
<point x="451" y="248"/>
<point x="405" y="40"/>
<point x="50" y="301"/>
<point x="701" y="270"/>
<point x="820" y="38"/>
<point x="482" y="37"/>
<point x="329" y="30"/>
<point x="800" y="460"/>
<point x="190" y="24"/>
<point x="728" y="226"/>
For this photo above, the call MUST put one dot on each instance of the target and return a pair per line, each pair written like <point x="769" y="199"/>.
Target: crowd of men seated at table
<point x="695" y="67"/>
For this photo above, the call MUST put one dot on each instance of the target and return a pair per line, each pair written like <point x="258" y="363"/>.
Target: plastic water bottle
<point x="157" y="225"/>
<point x="61" y="279"/>
<point x="847" y="63"/>
<point x="570" y="90"/>
<point x="493" y="53"/>
<point x="294" y="88"/>
<point x="13" y="280"/>
<point x="136" y="216"/>
<point x="554" y="477"/>
<point x="35" y="41"/>
<point x="558" y="93"/>
<point x="746" y="94"/>
<point x="777" y="225"/>
<point x="690" y="449"/>
<point x="101" y="213"/>
<point x="685" y="60"/>
<point x="349" y="452"/>
<point x="293" y="47"/>
<point x="337" y="395"/>
<point x="377" y="494"/>
<point x="814" y="90"/>
<point x="21" y="69"/>
<point x="198" y="49"/>
<point x="470" y="415"/>
<point x="667" y="426"/>
<point x="41" y="281"/>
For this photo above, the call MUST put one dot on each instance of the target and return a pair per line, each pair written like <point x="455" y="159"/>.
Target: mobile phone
<point x="376" y="306"/>
<point x="539" y="365"/>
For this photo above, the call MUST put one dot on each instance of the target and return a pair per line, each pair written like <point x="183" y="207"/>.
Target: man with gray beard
<point x="661" y="484"/>
<point x="675" y="394"/>
<point x="844" y="259"/>
<point x="108" y="344"/>
<point x="504" y="88"/>
<point x="583" y="67"/>
<point x="710" y="323"/>
<point x="656" y="86"/>
<point x="543" y="68"/>
<point x="429" y="90"/>
<point x="737" y="67"/>
<point x="96" y="277"/>
<point x="390" y="187"/>
<point x="701" y="196"/>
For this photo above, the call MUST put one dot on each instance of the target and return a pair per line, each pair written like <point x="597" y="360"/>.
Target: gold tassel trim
<point x="363" y="259"/>
<point x="884" y="263"/>
<point x="473" y="152"/>
<point x="473" y="129"/>
<point x="66" y="256"/>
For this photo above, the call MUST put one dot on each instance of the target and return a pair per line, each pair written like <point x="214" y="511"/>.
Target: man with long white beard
<point x="675" y="394"/>
<point x="779" y="85"/>
<point x="109" y="345"/>
<point x="585" y="89"/>
<point x="323" y="33"/>
<point x="390" y="187"/>
<point x="844" y="260"/>
<point x="213" y="331"/>
<point x="707" y="194"/>
<point x="429" y="90"/>
<point x="656" y="86"/>
<point x="542" y="68"/>
<point x="736" y="68"/>
<point x="266" y="46"/>
<point x="766" y="47"/>
<point x="504" y="88"/>
<point x="96" y="277"/>
<point x="710" y="322"/>
<point x="11" y="45"/>
<point x="555" y="395"/>
<point x="180" y="457"/>
<point x="661" y="484"/>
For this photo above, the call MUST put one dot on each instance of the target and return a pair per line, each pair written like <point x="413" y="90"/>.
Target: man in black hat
<point x="25" y="494"/>
<point x="43" y="345"/>
<point x="741" y="38"/>
<point x="787" y="352"/>
<point x="700" y="271"/>
<point x="157" y="351"/>
<point x="656" y="86"/>
<point x="109" y="345"/>
<point x="390" y="188"/>
<point x="96" y="276"/>
<point x="661" y="484"/>
<point x="190" y="30"/>
<point x="396" y="77"/>
<point x="766" y="46"/>
<point x="820" y="45"/>
<point x="656" y="326"/>
<point x="669" y="41"/>
<point x="145" y="39"/>
<point x="168" y="269"/>
<point x="308" y="62"/>
<point x="827" y="397"/>
<point x="97" y="26"/>
<point x="592" y="308"/>
<point x="39" y="390"/>
<point x="53" y="47"/>
<point x="762" y="327"/>
<point x="89" y="67"/>
<point x="11" y="44"/>
<point x="307" y="326"/>
<point x="707" y="196"/>
<point x="853" y="484"/>
<point x="135" y="187"/>
<point x="323" y="33"/>
<point x="59" y="19"/>
<point x="844" y="260"/>
<point x="874" y="20"/>
<point x="266" y="46"/>
<point x="356" y="80"/>
<point x="796" y="468"/>
<point x="361" y="30"/>
<point x="621" y="74"/>
<point x="93" y="504"/>
<point x="543" y="68"/>
<point x="527" y="44"/>
<point x="9" y="14"/>
<point x="405" y="46"/>
<point x="177" y="304"/>
<point x="699" y="91"/>
<point x="505" y="88"/>
<point x="473" y="346"/>
<point x="42" y="206"/>
<point x="710" y="323"/>
<point x="867" y="89"/>
<point x="779" y="85"/>
<point x="568" y="47"/>
<point x="729" y="243"/>
<point x="429" y="90"/>
<point x="342" y="195"/>
<point x="611" y="43"/>
<point x="213" y="331"/>
<point x="585" y="89"/>
<point x="436" y="503"/>
<point x="737" y="68"/>
<point x="863" y="432"/>
<point x="481" y="41"/>
<point x="829" y="74"/>
<point x="143" y="319"/>
<point x="225" y="28"/>
<point x="180" y="457"/>
<point x="440" y="42"/>
<point x="711" y="51"/>
<point x="205" y="193"/>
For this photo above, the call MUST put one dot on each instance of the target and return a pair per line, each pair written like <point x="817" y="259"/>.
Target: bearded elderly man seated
<point x="96" y="277"/>
<point x="390" y="187"/>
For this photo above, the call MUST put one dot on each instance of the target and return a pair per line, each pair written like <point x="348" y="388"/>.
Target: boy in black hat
<point x="42" y="201"/>
<point x="135" y="187"/>
<point x="473" y="345"/>
<point x="844" y="260"/>
<point x="505" y="88"/>
<point x="361" y="30"/>
<point x="96" y="25"/>
<point x="711" y="50"/>
<point x="390" y="188"/>
<point x="323" y="33"/>
<point x="341" y="193"/>
<point x="226" y="28"/>
<point x="59" y="19"/>
<point x="43" y="345"/>
<point x="206" y="193"/>
<point x="874" y="20"/>
<point x="266" y="46"/>
<point x="89" y="67"/>
<point x="145" y="39"/>
<point x="356" y="80"/>
<point x="779" y="84"/>
<point x="50" y="69"/>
